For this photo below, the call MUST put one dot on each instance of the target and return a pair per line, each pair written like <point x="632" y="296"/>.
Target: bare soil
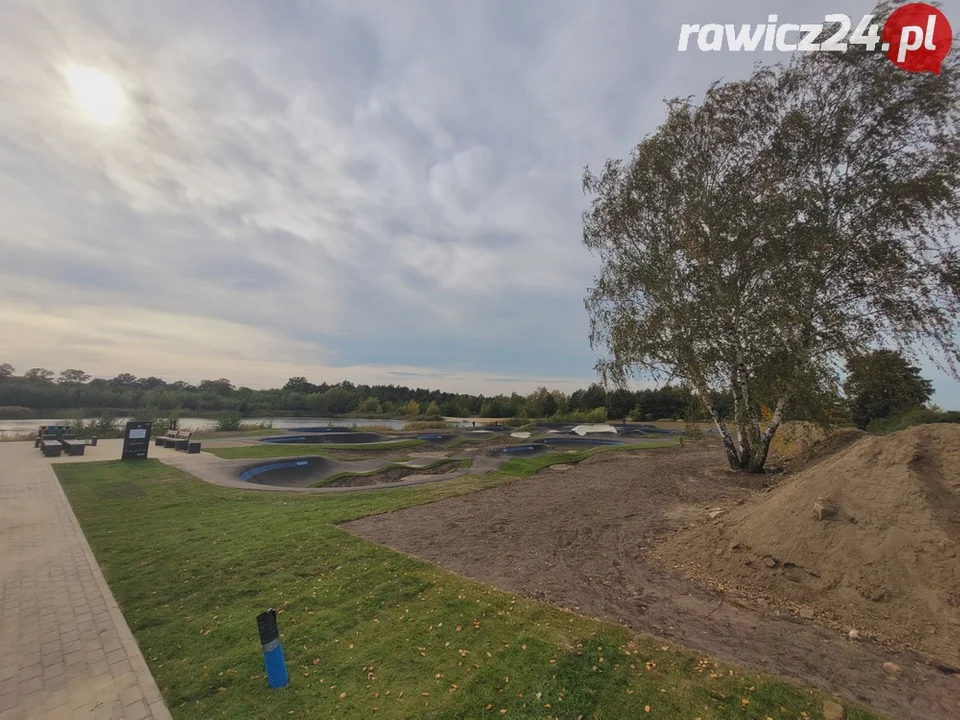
<point x="582" y="538"/>
<point x="883" y="561"/>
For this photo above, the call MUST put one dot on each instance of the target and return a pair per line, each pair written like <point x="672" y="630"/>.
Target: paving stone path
<point x="65" y="648"/>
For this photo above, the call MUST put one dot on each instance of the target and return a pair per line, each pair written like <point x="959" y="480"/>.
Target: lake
<point x="18" y="427"/>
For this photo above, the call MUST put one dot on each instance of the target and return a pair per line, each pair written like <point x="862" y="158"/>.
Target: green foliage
<point x="370" y="406"/>
<point x="919" y="416"/>
<point x="882" y="384"/>
<point x="161" y="423"/>
<point x="229" y="421"/>
<point x="80" y="427"/>
<point x="412" y="408"/>
<point x="692" y="431"/>
<point x="747" y="250"/>
<point x="597" y="415"/>
<point x="73" y="377"/>
<point x="541" y="403"/>
<point x="106" y="426"/>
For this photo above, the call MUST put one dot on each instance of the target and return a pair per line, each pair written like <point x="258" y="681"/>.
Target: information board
<point x="136" y="441"/>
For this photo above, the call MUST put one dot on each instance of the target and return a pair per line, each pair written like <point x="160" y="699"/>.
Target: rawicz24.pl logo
<point x="916" y="37"/>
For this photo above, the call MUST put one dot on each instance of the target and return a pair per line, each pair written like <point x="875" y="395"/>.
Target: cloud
<point x="347" y="188"/>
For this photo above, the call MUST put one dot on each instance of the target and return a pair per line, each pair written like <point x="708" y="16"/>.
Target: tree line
<point x="882" y="391"/>
<point x="40" y="390"/>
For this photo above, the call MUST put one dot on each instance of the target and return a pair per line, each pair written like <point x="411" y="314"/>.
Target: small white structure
<point x="582" y="430"/>
<point x="520" y="434"/>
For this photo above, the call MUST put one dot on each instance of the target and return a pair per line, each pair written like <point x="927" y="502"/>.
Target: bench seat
<point x="51" y="448"/>
<point x="74" y="447"/>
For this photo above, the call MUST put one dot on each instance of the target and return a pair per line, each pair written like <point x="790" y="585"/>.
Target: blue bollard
<point x="272" y="650"/>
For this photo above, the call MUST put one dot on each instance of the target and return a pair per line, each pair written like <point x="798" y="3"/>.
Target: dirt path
<point x="579" y="538"/>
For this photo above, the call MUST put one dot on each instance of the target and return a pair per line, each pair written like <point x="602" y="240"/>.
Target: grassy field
<point x="268" y="450"/>
<point x="367" y="632"/>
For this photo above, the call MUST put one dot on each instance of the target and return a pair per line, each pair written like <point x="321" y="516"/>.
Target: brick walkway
<point x="65" y="649"/>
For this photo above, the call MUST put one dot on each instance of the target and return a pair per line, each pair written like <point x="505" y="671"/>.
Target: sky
<point x="375" y="191"/>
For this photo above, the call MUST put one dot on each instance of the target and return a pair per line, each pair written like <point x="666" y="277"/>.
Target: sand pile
<point x="799" y="443"/>
<point x="866" y="538"/>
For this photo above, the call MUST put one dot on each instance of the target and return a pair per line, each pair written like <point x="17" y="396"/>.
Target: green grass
<point x="367" y="632"/>
<point x="268" y="450"/>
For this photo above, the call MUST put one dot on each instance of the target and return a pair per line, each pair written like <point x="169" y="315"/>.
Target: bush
<point x="161" y="423"/>
<point x="597" y="415"/>
<point x="692" y="431"/>
<point x="228" y="421"/>
<point x="80" y="427"/>
<point x="106" y="426"/>
<point x="921" y="416"/>
<point x="571" y="417"/>
<point x="249" y="427"/>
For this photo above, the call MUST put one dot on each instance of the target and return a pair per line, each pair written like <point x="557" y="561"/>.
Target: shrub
<point x="80" y="427"/>
<point x="571" y="417"/>
<point x="106" y="426"/>
<point x="253" y="427"/>
<point x="597" y="415"/>
<point x="161" y="423"/>
<point x="921" y="416"/>
<point x="228" y="421"/>
<point x="692" y="431"/>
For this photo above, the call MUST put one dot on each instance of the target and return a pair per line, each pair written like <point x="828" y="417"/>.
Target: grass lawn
<point x="367" y="632"/>
<point x="268" y="450"/>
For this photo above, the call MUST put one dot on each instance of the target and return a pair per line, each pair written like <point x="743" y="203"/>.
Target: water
<point x="18" y="427"/>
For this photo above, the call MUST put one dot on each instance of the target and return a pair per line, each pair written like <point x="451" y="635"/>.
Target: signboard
<point x="136" y="441"/>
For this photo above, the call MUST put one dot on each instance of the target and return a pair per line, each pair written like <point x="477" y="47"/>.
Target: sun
<point x="97" y="94"/>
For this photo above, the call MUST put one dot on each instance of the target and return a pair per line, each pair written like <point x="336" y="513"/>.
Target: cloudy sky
<point x="377" y="191"/>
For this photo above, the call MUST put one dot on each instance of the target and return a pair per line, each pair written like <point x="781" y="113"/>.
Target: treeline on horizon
<point x="40" y="391"/>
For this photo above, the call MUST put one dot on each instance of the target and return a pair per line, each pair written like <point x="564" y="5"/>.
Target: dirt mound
<point x="798" y="444"/>
<point x="867" y="538"/>
<point x="392" y="475"/>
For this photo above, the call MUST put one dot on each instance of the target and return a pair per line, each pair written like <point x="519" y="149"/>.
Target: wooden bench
<point x="51" y="448"/>
<point x="171" y="439"/>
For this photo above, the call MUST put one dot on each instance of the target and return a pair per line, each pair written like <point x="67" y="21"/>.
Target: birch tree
<point x="781" y="224"/>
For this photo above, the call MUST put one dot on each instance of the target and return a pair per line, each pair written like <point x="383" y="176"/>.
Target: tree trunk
<point x="742" y="454"/>
<point x="758" y="463"/>
<point x="733" y="454"/>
